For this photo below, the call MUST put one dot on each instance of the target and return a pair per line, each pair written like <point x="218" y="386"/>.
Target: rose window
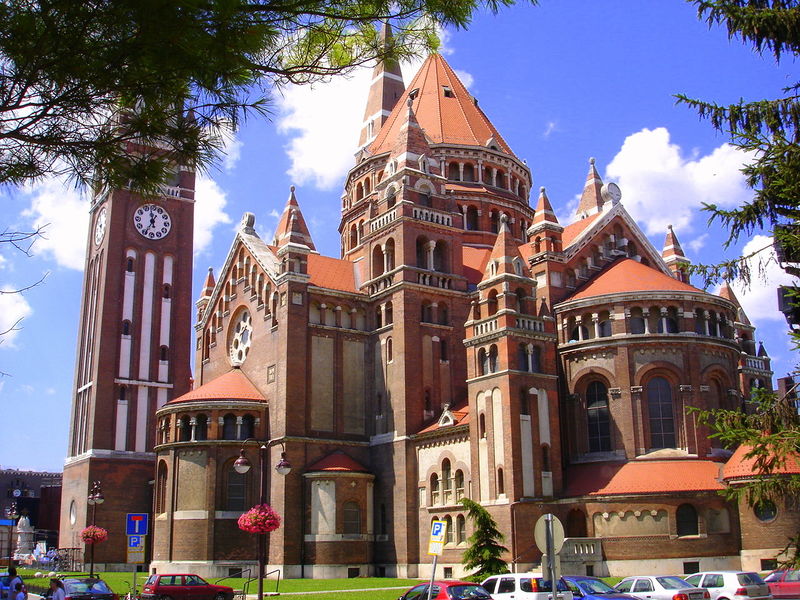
<point x="241" y="338"/>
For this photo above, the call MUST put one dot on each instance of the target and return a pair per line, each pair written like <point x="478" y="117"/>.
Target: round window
<point x="73" y="513"/>
<point x="241" y="338"/>
<point x="765" y="511"/>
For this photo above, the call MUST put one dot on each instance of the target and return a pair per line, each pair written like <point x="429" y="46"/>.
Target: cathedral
<point x="465" y="343"/>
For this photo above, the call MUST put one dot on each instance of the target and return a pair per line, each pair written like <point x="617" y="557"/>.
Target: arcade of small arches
<point x="474" y="220"/>
<point x="520" y="300"/>
<point x="478" y="172"/>
<point x="200" y="426"/>
<point x="648" y="320"/>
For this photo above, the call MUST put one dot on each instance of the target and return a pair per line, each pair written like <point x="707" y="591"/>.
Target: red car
<point x="447" y="590"/>
<point x="183" y="587"/>
<point x="784" y="583"/>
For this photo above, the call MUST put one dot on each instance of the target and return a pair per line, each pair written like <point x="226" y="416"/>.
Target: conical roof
<point x="208" y="286"/>
<point x="505" y="250"/>
<point x="672" y="247"/>
<point x="292" y="227"/>
<point x="233" y="385"/>
<point x="544" y="210"/>
<point x="591" y="199"/>
<point x="445" y="110"/>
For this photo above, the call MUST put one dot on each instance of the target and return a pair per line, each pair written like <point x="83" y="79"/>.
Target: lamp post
<point x="241" y="465"/>
<point x="95" y="497"/>
<point x="11" y="514"/>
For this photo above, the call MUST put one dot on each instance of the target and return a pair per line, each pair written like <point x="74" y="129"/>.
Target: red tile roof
<point x="451" y="119"/>
<point x="642" y="477"/>
<point x="331" y="273"/>
<point x="474" y="260"/>
<point x="461" y="416"/>
<point x="628" y="275"/>
<point x="573" y="230"/>
<point x="740" y="467"/>
<point x="233" y="385"/>
<point x="338" y="461"/>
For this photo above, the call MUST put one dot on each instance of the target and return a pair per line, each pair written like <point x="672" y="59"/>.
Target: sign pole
<point x="433" y="576"/>
<point x="551" y="564"/>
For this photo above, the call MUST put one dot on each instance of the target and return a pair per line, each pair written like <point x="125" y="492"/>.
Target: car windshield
<point x="774" y="576"/>
<point x="87" y="586"/>
<point x="672" y="583"/>
<point x="595" y="586"/>
<point x="464" y="592"/>
<point x="749" y="579"/>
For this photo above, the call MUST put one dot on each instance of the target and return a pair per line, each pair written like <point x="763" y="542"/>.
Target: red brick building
<point x="464" y="343"/>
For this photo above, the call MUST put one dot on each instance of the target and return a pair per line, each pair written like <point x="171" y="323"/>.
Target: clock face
<point x="152" y="221"/>
<point x="612" y="192"/>
<point x="100" y="228"/>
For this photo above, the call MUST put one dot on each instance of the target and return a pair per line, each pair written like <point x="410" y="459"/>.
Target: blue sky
<point x="562" y="82"/>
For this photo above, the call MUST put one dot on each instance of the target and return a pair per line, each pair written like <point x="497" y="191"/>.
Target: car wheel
<point x="220" y="596"/>
<point x="165" y="598"/>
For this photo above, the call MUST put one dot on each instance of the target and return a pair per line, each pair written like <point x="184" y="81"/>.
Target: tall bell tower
<point x="132" y="353"/>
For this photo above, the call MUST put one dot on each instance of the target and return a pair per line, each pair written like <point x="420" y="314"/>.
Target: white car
<point x="661" y="587"/>
<point x="524" y="586"/>
<point x="731" y="585"/>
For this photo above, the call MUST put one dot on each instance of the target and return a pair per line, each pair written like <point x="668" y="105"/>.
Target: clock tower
<point x="132" y="354"/>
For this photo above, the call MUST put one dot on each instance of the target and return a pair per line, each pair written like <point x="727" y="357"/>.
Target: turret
<point x="674" y="257"/>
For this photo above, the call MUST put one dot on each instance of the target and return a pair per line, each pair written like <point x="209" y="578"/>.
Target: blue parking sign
<point x="135" y="541"/>
<point x="137" y="524"/>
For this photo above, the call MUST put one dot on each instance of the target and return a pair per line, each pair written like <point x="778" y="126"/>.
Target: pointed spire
<point x="384" y="92"/>
<point x="411" y="142"/>
<point x="726" y="291"/>
<point x="504" y="254"/>
<point x="591" y="199"/>
<point x="208" y="286"/>
<point x="544" y="309"/>
<point x="292" y="227"/>
<point x="674" y="257"/>
<point x="544" y="210"/>
<point x="762" y="352"/>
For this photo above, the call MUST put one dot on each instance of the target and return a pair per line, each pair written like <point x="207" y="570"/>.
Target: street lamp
<point x="95" y="497"/>
<point x="11" y="514"/>
<point x="242" y="465"/>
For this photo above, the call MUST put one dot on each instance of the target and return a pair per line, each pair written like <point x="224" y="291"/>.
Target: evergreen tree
<point x="485" y="550"/>
<point x="768" y="129"/>
<point x="90" y="86"/>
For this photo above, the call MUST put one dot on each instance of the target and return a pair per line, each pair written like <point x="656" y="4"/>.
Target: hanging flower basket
<point x="94" y="535"/>
<point x="260" y="519"/>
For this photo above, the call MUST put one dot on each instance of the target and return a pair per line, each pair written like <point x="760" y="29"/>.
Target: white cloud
<point x="466" y="78"/>
<point x="661" y="186"/>
<point x="760" y="299"/>
<point x="209" y="211"/>
<point x="697" y="244"/>
<point x="231" y="149"/>
<point x="549" y="128"/>
<point x="13" y="308"/>
<point x="64" y="213"/>
<point x="323" y="123"/>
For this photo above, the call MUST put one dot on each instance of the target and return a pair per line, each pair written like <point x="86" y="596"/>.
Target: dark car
<point x="87" y="588"/>
<point x="183" y="587"/>
<point x="447" y="590"/>
<point x="784" y="583"/>
<point x="592" y="588"/>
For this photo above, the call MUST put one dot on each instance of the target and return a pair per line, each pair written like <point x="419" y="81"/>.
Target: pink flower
<point x="260" y="519"/>
<point x="94" y="535"/>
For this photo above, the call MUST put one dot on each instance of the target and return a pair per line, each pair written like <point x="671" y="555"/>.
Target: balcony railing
<point x="432" y="216"/>
<point x="382" y="221"/>
<point x="486" y="327"/>
<point x="529" y="324"/>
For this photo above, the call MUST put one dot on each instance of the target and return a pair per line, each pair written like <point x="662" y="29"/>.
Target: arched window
<point x="443" y="352"/>
<point x="461" y="529"/>
<point x="524" y="402"/>
<point x="659" y="405"/>
<point x="167" y="291"/>
<point x="388" y="313"/>
<point x="129" y="265"/>
<point x="536" y="359"/>
<point x="469" y="172"/>
<point x="597" y="417"/>
<point x="522" y="357"/>
<point x="185" y="429"/>
<point x="447" y="482"/>
<point x="389" y="350"/>
<point x="391" y="198"/>
<point x="248" y="427"/>
<point x="452" y="171"/>
<point x="493" y="359"/>
<point x="126" y="327"/>
<point x="377" y="261"/>
<point x="482" y="425"/>
<point x="427" y="404"/>
<point x="163" y="354"/>
<point x="229" y="427"/>
<point x="472" y="218"/>
<point x="201" y="428"/>
<point x="448" y="530"/>
<point x="123" y="393"/>
<point x="636" y="322"/>
<point x="235" y="490"/>
<point x="686" y="520"/>
<point x="501" y="487"/>
<point x="378" y="317"/>
<point x="352" y="518"/>
<point x="458" y="481"/>
<point x="434" y="489"/>
<point x="604" y="328"/>
<point x="483" y="362"/>
<point x="491" y="305"/>
<point x="161" y="487"/>
<point x="444" y="317"/>
<point x="353" y="236"/>
<point x="494" y="221"/>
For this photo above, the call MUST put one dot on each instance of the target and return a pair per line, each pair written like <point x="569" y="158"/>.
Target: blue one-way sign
<point x="137" y="524"/>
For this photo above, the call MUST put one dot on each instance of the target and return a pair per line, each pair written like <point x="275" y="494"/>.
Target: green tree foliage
<point x="484" y="549"/>
<point x="768" y="129"/>
<point x="92" y="86"/>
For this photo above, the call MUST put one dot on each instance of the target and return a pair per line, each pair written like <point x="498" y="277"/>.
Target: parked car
<point x="592" y="588"/>
<point x="731" y="585"/>
<point x="661" y="587"/>
<point x="447" y="590"/>
<point x="523" y="586"/>
<point x="784" y="583"/>
<point x="183" y="587"/>
<point x="86" y="588"/>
